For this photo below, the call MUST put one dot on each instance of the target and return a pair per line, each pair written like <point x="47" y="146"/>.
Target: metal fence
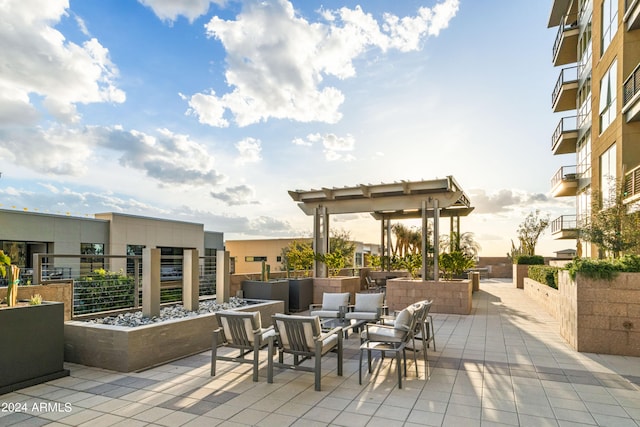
<point x="106" y="283"/>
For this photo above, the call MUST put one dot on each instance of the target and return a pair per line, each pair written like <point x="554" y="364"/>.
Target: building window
<point x="584" y="158"/>
<point x="607" y="108"/>
<point x="134" y="250"/>
<point x="89" y="264"/>
<point x="608" y="176"/>
<point x="255" y="258"/>
<point x="609" y="23"/>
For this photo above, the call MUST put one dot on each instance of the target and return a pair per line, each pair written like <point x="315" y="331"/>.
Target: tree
<point x="464" y="242"/>
<point x="340" y="242"/>
<point x="612" y="226"/>
<point x="297" y="256"/>
<point x="408" y="240"/>
<point x="529" y="231"/>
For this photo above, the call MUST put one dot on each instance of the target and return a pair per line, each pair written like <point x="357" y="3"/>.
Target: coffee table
<point x="346" y="324"/>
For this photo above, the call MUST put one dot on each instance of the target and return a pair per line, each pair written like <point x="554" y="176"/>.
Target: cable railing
<point x="117" y="282"/>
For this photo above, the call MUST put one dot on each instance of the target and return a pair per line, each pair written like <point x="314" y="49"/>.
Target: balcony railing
<point x="567" y="124"/>
<point x="564" y="223"/>
<point x="569" y="22"/>
<point x="632" y="85"/>
<point x="567" y="75"/>
<point x="632" y="14"/>
<point x="632" y="185"/>
<point x="565" y="173"/>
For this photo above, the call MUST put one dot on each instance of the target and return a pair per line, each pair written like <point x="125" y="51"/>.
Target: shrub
<point x="529" y="260"/>
<point x="544" y="274"/>
<point x="454" y="263"/>
<point x="593" y="268"/>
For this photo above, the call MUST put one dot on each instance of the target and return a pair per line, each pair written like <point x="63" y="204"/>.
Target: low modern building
<point x="247" y="255"/>
<point x="23" y="234"/>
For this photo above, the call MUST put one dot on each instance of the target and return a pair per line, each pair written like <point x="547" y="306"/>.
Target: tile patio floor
<point x="505" y="364"/>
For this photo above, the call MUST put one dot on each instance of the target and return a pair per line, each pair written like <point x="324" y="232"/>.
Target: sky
<point x="210" y="111"/>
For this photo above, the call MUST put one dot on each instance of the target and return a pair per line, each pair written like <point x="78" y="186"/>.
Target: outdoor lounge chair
<point x="392" y="339"/>
<point x="301" y="337"/>
<point x="333" y="305"/>
<point x="241" y="330"/>
<point x="368" y="307"/>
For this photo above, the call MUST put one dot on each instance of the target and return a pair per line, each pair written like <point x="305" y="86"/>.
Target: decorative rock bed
<point x="128" y="349"/>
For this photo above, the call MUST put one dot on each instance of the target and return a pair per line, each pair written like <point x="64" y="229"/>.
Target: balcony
<point x="565" y="92"/>
<point x="564" y="227"/>
<point x="632" y="186"/>
<point x="632" y="14"/>
<point x="565" y="48"/>
<point x="565" y="137"/>
<point x="564" y="182"/>
<point x="631" y="93"/>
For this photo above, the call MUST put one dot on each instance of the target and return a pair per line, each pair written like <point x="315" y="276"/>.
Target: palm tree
<point x="465" y="243"/>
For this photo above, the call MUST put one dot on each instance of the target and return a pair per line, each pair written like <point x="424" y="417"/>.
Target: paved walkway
<point x="505" y="364"/>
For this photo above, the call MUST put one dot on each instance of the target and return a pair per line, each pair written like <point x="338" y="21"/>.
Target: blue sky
<point x="210" y="111"/>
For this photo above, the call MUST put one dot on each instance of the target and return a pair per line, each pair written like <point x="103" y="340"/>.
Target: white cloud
<point x="169" y="157"/>
<point x="38" y="60"/>
<point x="234" y="196"/>
<point x="249" y="150"/>
<point x="170" y="10"/>
<point x="334" y="147"/>
<point x="277" y="60"/>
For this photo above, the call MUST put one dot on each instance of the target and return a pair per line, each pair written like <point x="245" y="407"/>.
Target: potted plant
<point x="33" y="333"/>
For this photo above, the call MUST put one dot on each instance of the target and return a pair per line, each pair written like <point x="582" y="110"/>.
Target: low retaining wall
<point x="452" y="297"/>
<point x="134" y="349"/>
<point x="548" y="297"/>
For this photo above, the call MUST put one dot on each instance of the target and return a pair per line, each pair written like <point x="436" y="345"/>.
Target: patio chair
<point x="372" y="286"/>
<point x="243" y="331"/>
<point x="421" y="328"/>
<point x="368" y="307"/>
<point x="394" y="339"/>
<point x="333" y="305"/>
<point x="301" y="337"/>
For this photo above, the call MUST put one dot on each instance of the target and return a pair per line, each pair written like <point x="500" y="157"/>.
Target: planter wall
<point x="453" y="297"/>
<point x="60" y="292"/>
<point x="548" y="297"/>
<point x="133" y="349"/>
<point x="338" y="284"/>
<point x="32" y="345"/>
<point x="520" y="271"/>
<point x="300" y="294"/>
<point x="276" y="290"/>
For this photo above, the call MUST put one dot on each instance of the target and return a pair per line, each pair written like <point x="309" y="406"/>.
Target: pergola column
<point x="320" y="239"/>
<point x="436" y="240"/>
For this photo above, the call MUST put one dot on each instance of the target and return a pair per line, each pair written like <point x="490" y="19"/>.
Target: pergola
<point x="385" y="202"/>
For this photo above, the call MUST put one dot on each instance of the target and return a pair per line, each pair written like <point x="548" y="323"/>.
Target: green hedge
<point x="545" y="274"/>
<point x="529" y="260"/>
<point x="604" y="269"/>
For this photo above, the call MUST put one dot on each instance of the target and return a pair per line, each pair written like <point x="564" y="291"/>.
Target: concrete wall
<point x="60" y="292"/>
<point x="453" y="297"/>
<point x="499" y="267"/>
<point x="548" y="297"/>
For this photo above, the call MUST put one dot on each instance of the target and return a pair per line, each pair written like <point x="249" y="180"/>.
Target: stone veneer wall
<point x="133" y="349"/>
<point x="595" y="316"/>
<point x="546" y="296"/>
<point x="59" y="292"/>
<point x="453" y="297"/>
<point x="338" y="284"/>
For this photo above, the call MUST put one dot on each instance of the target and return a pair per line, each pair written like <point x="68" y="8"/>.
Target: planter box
<point x="58" y="292"/>
<point x="452" y="297"/>
<point x="300" y="294"/>
<point x="277" y="290"/>
<point x="338" y="284"/>
<point x="133" y="349"/>
<point x="520" y="271"/>
<point x="32" y="345"/>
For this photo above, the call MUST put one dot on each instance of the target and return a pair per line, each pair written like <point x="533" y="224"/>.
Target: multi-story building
<point x="597" y="96"/>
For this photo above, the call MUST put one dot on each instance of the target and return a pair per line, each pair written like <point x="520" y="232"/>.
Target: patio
<point x="504" y="364"/>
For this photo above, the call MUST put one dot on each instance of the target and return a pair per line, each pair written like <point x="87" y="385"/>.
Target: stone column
<point x="223" y="277"/>
<point x="190" y="280"/>
<point x="150" y="282"/>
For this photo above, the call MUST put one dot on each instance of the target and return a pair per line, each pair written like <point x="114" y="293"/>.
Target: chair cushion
<point x="251" y="321"/>
<point x="310" y="325"/>
<point x="369" y="302"/>
<point x="404" y="318"/>
<point x="380" y="333"/>
<point x="361" y="315"/>
<point x="333" y="301"/>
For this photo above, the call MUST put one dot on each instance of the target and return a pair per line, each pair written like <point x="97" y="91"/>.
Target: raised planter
<point x="520" y="271"/>
<point x="337" y="284"/>
<point x="58" y="292"/>
<point x="452" y="297"/>
<point x="300" y="294"/>
<point x="133" y="349"/>
<point x="32" y="349"/>
<point x="275" y="290"/>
